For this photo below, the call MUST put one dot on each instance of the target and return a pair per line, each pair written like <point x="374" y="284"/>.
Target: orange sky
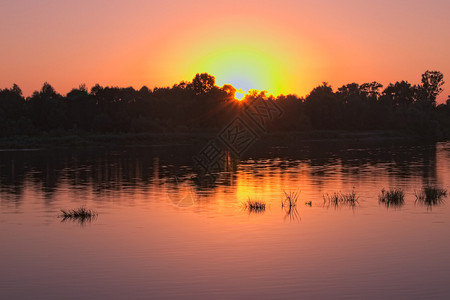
<point x="282" y="46"/>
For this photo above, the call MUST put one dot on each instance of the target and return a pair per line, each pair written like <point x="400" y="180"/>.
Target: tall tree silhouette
<point x="202" y="83"/>
<point x="47" y="108"/>
<point x="323" y="108"/>
<point x="432" y="82"/>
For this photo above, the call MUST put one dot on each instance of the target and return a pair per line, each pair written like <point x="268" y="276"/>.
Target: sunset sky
<point x="283" y="46"/>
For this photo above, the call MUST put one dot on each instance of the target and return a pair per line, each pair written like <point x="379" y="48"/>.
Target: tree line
<point x="201" y="105"/>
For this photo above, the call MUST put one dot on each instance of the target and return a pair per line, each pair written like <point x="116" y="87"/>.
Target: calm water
<point x="161" y="234"/>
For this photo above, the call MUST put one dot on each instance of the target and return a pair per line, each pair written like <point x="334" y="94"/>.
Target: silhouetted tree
<point x="202" y="83"/>
<point x="371" y="90"/>
<point x="14" y="119"/>
<point x="323" y="108"/>
<point x="431" y="87"/>
<point x="81" y="109"/>
<point x="47" y="109"/>
<point x="400" y="93"/>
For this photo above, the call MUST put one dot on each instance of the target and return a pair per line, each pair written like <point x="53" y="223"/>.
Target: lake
<point x="164" y="233"/>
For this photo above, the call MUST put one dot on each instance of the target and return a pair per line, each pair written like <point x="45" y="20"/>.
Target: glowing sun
<point x="244" y="67"/>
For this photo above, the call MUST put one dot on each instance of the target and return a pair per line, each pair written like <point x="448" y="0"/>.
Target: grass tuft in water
<point x="393" y="197"/>
<point x="339" y="199"/>
<point x="431" y="195"/>
<point x="254" y="206"/>
<point x="81" y="215"/>
<point x="289" y="205"/>
<point x="290" y="199"/>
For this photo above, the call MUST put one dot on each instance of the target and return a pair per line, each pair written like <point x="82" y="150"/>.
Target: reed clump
<point x="81" y="214"/>
<point x="392" y="198"/>
<point x="255" y="206"/>
<point x="431" y="195"/>
<point x="339" y="199"/>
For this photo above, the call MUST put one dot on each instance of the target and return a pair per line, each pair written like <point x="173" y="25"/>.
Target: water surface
<point x="162" y="234"/>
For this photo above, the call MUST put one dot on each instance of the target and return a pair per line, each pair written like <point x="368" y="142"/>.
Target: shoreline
<point x="77" y="140"/>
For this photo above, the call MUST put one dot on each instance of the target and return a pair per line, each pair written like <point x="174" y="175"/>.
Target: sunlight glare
<point x="244" y="67"/>
<point x="240" y="93"/>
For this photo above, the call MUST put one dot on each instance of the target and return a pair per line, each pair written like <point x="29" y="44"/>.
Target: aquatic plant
<point x="393" y="197"/>
<point x="338" y="199"/>
<point x="431" y="195"/>
<point x="290" y="199"/>
<point x="289" y="205"/>
<point x="254" y="206"/>
<point x="81" y="215"/>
